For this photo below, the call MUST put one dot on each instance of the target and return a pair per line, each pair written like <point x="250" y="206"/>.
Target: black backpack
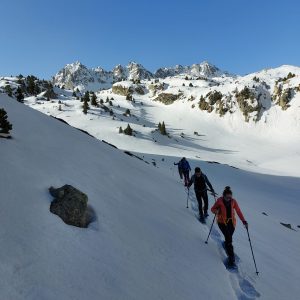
<point x="200" y="183"/>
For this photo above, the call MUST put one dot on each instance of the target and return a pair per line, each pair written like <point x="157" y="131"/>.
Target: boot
<point x="231" y="261"/>
<point x="201" y="217"/>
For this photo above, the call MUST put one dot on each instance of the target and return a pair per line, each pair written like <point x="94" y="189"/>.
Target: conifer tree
<point x="129" y="97"/>
<point x="162" y="129"/>
<point x="8" y="90"/>
<point x="5" y="126"/>
<point x="94" y="100"/>
<point x="37" y="89"/>
<point x="19" y="95"/>
<point x="86" y="97"/>
<point x="128" y="130"/>
<point x="30" y="85"/>
<point x="85" y="106"/>
<point x="120" y="130"/>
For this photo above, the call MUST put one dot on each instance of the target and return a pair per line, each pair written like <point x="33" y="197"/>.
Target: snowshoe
<point x="230" y="264"/>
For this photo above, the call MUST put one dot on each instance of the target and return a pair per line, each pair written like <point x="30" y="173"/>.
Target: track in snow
<point x="242" y="284"/>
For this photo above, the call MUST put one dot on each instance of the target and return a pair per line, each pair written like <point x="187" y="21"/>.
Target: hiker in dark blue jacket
<point x="201" y="182"/>
<point x="185" y="166"/>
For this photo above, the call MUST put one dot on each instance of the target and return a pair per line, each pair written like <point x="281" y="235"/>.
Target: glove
<point x="245" y="224"/>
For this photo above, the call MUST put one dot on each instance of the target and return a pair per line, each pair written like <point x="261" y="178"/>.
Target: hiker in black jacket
<point x="201" y="182"/>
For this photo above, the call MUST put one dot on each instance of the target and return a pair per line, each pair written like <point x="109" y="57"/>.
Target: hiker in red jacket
<point x="225" y="208"/>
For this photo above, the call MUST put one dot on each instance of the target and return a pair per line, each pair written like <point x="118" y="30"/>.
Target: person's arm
<point x="176" y="164"/>
<point x="239" y="213"/>
<point x="209" y="184"/>
<point x="215" y="208"/>
<point x="191" y="181"/>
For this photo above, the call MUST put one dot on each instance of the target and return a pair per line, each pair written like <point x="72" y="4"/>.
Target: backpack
<point x="200" y="183"/>
<point x="185" y="165"/>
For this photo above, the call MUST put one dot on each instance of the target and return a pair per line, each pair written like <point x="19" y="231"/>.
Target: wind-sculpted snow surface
<point x="144" y="244"/>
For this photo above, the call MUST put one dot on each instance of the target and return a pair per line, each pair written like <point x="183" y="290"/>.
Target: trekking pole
<point x="252" y="252"/>
<point x="187" y="199"/>
<point x="211" y="227"/>
<point x="212" y="224"/>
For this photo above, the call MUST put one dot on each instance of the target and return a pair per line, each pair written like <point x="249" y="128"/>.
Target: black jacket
<point x="200" y="183"/>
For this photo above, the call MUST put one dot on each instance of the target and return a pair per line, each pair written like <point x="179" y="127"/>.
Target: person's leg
<point x="227" y="231"/>
<point x="230" y="250"/>
<point x="205" y="200"/>
<point x="186" y="179"/>
<point x="180" y="172"/>
<point x="199" y="200"/>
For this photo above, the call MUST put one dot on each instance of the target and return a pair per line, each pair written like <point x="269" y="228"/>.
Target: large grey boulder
<point x="70" y="205"/>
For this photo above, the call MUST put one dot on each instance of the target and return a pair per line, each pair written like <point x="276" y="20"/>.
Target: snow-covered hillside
<point x="145" y="244"/>
<point x="251" y="122"/>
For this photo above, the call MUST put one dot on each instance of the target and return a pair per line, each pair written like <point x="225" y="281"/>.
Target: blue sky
<point x="241" y="36"/>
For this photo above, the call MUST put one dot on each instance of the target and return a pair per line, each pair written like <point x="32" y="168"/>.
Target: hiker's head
<point x="197" y="171"/>
<point x="183" y="159"/>
<point x="227" y="194"/>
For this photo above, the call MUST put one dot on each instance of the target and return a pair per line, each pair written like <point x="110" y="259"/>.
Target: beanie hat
<point x="197" y="170"/>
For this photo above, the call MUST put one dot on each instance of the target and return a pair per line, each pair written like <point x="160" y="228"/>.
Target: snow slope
<point x="251" y="122"/>
<point x="145" y="244"/>
<point x="269" y="145"/>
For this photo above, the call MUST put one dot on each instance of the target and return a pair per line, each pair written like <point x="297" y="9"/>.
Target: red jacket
<point x="220" y="209"/>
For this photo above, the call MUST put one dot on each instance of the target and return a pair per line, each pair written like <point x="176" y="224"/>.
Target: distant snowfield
<point x="270" y="146"/>
<point x="145" y="244"/>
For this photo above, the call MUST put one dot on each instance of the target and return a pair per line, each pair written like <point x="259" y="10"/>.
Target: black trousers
<point x="228" y="231"/>
<point x="202" y="196"/>
<point x="186" y="176"/>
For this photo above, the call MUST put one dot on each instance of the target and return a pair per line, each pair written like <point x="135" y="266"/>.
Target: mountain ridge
<point x="77" y="75"/>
